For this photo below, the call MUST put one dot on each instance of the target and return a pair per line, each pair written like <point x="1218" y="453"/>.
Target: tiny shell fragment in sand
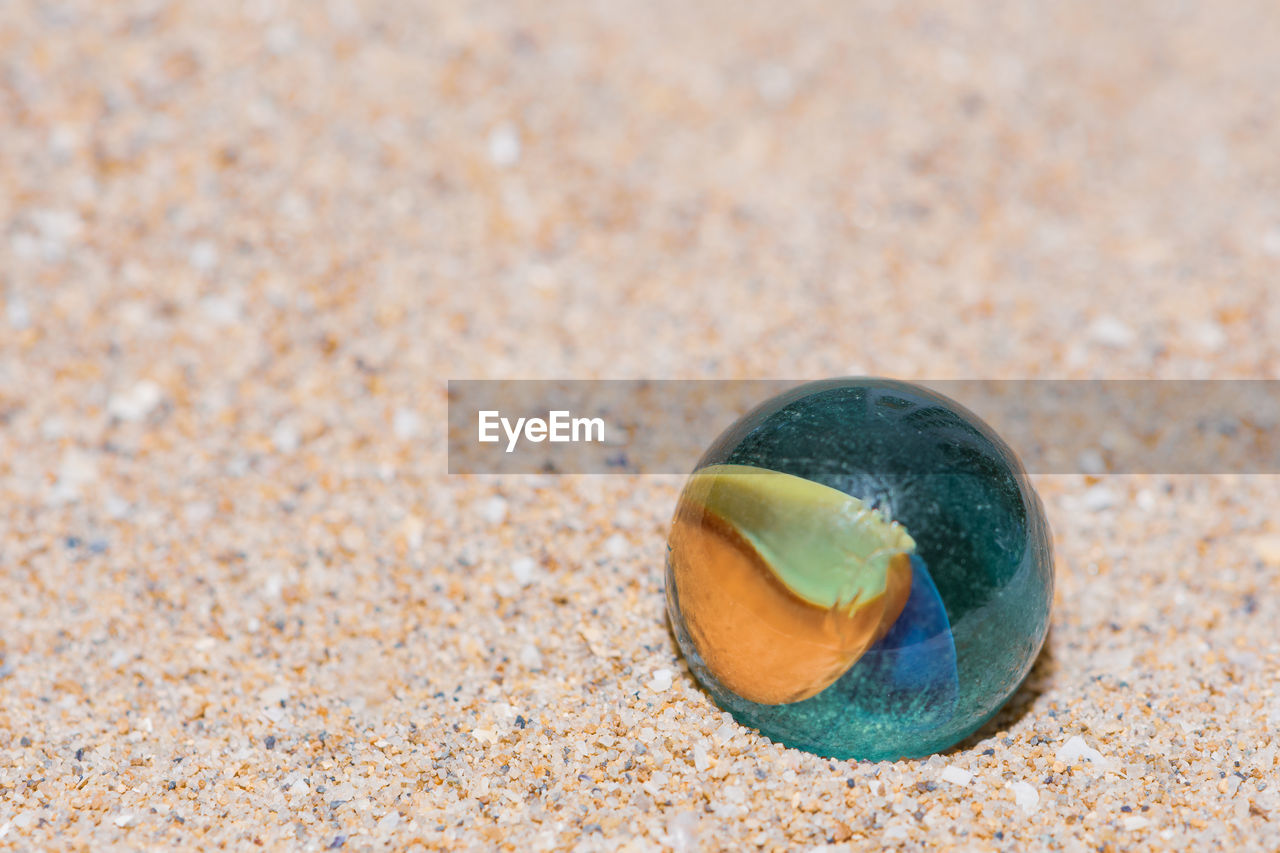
<point x="661" y="680"/>
<point x="1075" y="750"/>
<point x="1027" y="797"/>
<point x="595" y="642"/>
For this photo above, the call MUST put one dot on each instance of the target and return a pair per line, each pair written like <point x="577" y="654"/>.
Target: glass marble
<point x="860" y="568"/>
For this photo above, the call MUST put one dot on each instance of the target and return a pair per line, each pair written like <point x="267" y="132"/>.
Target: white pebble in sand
<point x="1098" y="498"/>
<point x="116" y="507"/>
<point x="775" y="84"/>
<point x="494" y="510"/>
<point x="387" y="824"/>
<point x="682" y="832"/>
<point x="661" y="680"/>
<point x="1091" y="462"/>
<point x="137" y="402"/>
<point x="1270" y="242"/>
<point x="726" y="732"/>
<point x="956" y="775"/>
<point x="220" y="310"/>
<point x="1027" y="797"/>
<point x="1075" y="750"/>
<point x="524" y="570"/>
<point x="615" y="545"/>
<point x="504" y="145"/>
<point x="17" y="313"/>
<point x="78" y="469"/>
<point x="530" y="657"/>
<point x="285" y="438"/>
<point x="1209" y="335"/>
<point x="1111" y="332"/>
<point x="896" y="832"/>
<point x="203" y="256"/>
<point x="405" y="424"/>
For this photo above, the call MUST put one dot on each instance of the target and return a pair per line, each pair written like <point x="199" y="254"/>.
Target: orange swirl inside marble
<point x="760" y="639"/>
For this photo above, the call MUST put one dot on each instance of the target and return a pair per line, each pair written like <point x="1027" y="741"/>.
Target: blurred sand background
<point x="244" y="245"/>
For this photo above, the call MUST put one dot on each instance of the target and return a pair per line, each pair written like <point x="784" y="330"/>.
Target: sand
<point x="243" y="246"/>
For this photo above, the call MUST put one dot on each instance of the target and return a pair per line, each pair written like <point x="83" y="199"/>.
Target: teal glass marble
<point x="860" y="568"/>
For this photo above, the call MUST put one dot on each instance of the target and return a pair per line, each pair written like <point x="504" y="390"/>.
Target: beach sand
<point x="244" y="246"/>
